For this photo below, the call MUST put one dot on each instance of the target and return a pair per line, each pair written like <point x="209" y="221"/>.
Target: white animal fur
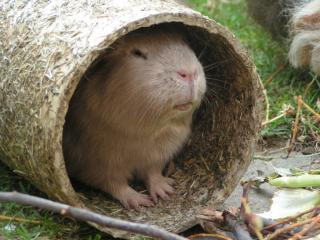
<point x="305" y="45"/>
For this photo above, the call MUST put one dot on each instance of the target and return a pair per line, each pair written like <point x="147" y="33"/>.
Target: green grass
<point x="51" y="225"/>
<point x="267" y="55"/>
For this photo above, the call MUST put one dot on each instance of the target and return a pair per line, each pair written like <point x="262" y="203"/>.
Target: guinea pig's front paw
<point x="160" y="186"/>
<point x="131" y="199"/>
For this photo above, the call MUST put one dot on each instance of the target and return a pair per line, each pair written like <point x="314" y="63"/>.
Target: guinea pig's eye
<point x="138" y="53"/>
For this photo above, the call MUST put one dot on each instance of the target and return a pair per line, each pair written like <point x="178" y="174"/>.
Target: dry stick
<point x="305" y="230"/>
<point x="264" y="91"/>
<point x="246" y="214"/>
<point x="271" y="77"/>
<point x="286" y="112"/>
<point x="314" y="135"/>
<point x="18" y="219"/>
<point x="296" y="123"/>
<point x="88" y="216"/>
<point x="312" y="226"/>
<point x="251" y="219"/>
<point x="245" y="195"/>
<point x="208" y="236"/>
<point x="295" y="126"/>
<point x="232" y="221"/>
<point x="274" y="119"/>
<point x="310" y="109"/>
<point x="309" y="86"/>
<point x="290" y="219"/>
<point x="290" y="227"/>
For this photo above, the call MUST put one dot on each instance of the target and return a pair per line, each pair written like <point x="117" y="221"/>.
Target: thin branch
<point x="295" y="126"/>
<point x="290" y="227"/>
<point x="88" y="216"/>
<point x="309" y="86"/>
<point x="237" y="229"/>
<point x="287" y="111"/>
<point x="18" y="219"/>
<point x="274" y="119"/>
<point x="253" y="221"/>
<point x="312" y="226"/>
<point x="292" y="218"/>
<point x="310" y="109"/>
<point x="275" y="73"/>
<point x="265" y="94"/>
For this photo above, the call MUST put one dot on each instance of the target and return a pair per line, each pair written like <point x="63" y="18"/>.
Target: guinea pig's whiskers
<point x="208" y="102"/>
<point x="217" y="82"/>
<point x="216" y="77"/>
<point x="202" y="52"/>
<point x="215" y="64"/>
<point x="220" y="89"/>
<point x="220" y="77"/>
<point x="215" y="94"/>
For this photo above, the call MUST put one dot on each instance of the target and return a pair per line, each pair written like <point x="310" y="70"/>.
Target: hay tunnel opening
<point x="47" y="49"/>
<point x="211" y="160"/>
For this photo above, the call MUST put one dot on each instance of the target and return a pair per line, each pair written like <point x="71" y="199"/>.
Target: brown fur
<point x="124" y="117"/>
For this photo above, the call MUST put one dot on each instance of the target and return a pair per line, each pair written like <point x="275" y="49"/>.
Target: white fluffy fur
<point x="306" y="8"/>
<point x="305" y="46"/>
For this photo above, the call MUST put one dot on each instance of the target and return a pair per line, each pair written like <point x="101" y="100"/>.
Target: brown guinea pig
<point x="132" y="114"/>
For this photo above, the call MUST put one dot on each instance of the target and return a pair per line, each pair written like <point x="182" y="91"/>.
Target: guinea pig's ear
<point x="136" y="52"/>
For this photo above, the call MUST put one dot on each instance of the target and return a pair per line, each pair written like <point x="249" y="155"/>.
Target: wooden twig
<point x="290" y="219"/>
<point x="290" y="227"/>
<point x="312" y="132"/>
<point x="287" y="111"/>
<point x="310" y="109"/>
<point x="212" y="221"/>
<point x="296" y="123"/>
<point x="18" y="219"/>
<point x="208" y="236"/>
<point x="264" y="91"/>
<point x="88" y="216"/>
<point x="312" y="226"/>
<point x="295" y="126"/>
<point x="274" y="119"/>
<point x="252" y="220"/>
<point x="275" y="73"/>
<point x="245" y="195"/>
<point x="237" y="229"/>
<point x="309" y="86"/>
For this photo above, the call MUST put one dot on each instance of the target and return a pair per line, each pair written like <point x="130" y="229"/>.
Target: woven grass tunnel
<point x="45" y="50"/>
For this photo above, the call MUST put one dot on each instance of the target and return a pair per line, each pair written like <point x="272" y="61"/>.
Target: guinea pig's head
<point x="159" y="76"/>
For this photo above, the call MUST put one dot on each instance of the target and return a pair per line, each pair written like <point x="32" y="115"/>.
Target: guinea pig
<point x="132" y="114"/>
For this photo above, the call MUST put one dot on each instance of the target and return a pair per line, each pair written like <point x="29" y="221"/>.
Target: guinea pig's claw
<point x="161" y="187"/>
<point x="134" y="200"/>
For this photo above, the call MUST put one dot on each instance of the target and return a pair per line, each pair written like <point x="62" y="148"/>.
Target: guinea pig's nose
<point x="187" y="75"/>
